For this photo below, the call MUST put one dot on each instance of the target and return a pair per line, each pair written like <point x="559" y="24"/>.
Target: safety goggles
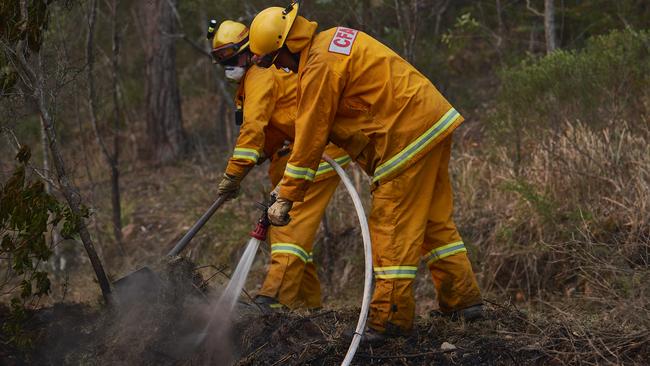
<point x="233" y="61"/>
<point x="226" y="52"/>
<point x="267" y="60"/>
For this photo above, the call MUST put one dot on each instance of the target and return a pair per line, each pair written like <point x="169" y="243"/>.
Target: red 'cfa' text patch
<point x="343" y="40"/>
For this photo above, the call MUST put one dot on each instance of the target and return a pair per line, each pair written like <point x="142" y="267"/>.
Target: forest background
<point x="129" y="126"/>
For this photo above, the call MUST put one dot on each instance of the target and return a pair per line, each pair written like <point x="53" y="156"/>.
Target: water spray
<point x="231" y="293"/>
<point x="229" y="297"/>
<point x="259" y="234"/>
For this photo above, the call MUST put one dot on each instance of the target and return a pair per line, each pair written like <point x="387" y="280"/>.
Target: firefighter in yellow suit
<point x="267" y="98"/>
<point x="359" y="94"/>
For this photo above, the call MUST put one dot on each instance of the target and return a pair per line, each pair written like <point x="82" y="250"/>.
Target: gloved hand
<point x="229" y="186"/>
<point x="279" y="212"/>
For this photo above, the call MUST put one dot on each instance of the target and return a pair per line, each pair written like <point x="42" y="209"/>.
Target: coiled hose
<point x="367" y="247"/>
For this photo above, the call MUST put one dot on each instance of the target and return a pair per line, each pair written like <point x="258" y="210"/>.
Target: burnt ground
<point x="507" y="336"/>
<point x="160" y="328"/>
<point x="73" y="334"/>
<point x="317" y="339"/>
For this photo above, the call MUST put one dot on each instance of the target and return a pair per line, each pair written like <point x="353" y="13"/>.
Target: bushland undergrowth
<point x="26" y="212"/>
<point x="556" y="204"/>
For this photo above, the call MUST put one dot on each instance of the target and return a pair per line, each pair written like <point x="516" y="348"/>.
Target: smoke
<point x="216" y="332"/>
<point x="210" y="340"/>
<point x="163" y="318"/>
<point x="228" y="299"/>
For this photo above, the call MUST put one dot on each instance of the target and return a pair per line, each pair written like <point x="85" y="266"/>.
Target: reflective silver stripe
<point x="299" y="173"/>
<point x="395" y="272"/>
<point x="244" y="153"/>
<point x="445" y="251"/>
<point x="288" y="248"/>
<point x="416" y="146"/>
<point x="326" y="167"/>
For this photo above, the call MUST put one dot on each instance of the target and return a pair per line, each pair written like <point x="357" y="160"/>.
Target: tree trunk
<point x="225" y="110"/>
<point x="549" y="25"/>
<point x="74" y="201"/>
<point x="36" y="86"/>
<point x="59" y="261"/>
<point x="366" y="17"/>
<point x="117" y="120"/>
<point x="68" y="189"/>
<point x="165" y="134"/>
<point x="408" y="18"/>
<point x="110" y="158"/>
<point x="439" y="9"/>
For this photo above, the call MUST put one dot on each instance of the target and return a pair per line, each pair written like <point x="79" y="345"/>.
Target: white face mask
<point x="235" y="73"/>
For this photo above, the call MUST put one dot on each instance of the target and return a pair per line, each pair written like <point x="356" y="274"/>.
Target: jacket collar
<point x="301" y="33"/>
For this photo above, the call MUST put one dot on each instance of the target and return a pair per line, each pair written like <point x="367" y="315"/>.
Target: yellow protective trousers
<point x="292" y="278"/>
<point x="411" y="219"/>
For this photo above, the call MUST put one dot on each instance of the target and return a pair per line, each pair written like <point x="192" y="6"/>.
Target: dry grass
<point x="570" y="233"/>
<point x="581" y="199"/>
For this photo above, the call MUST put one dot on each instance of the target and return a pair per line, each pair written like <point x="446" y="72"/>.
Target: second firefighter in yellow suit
<point x="361" y="95"/>
<point x="267" y="98"/>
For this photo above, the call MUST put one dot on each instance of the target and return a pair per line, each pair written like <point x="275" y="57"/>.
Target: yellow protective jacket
<point x="362" y="96"/>
<point x="268" y="99"/>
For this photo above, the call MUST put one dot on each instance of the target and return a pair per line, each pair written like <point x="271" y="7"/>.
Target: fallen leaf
<point x="446" y="346"/>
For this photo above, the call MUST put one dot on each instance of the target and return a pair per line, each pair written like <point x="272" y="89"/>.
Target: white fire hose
<point x="367" y="247"/>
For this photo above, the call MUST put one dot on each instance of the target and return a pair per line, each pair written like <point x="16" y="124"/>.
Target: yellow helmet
<point x="270" y="28"/>
<point x="230" y="39"/>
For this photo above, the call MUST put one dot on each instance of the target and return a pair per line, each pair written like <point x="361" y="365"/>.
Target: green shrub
<point x="608" y="80"/>
<point x="558" y="197"/>
<point x="26" y="213"/>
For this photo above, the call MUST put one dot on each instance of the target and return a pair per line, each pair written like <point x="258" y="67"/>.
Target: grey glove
<point x="279" y="212"/>
<point x="229" y="186"/>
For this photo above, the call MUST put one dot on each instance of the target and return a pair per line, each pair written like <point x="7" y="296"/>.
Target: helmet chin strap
<point x="249" y="59"/>
<point x="289" y="59"/>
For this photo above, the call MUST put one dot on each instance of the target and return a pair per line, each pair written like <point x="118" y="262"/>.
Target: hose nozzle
<point x="259" y="232"/>
<point x="263" y="223"/>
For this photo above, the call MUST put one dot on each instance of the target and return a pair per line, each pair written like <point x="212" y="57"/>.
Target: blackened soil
<point x="57" y="334"/>
<point x="317" y="339"/>
<point x="73" y="334"/>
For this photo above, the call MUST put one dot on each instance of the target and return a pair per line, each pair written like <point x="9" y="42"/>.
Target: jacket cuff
<point x="293" y="194"/>
<point x="239" y="168"/>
